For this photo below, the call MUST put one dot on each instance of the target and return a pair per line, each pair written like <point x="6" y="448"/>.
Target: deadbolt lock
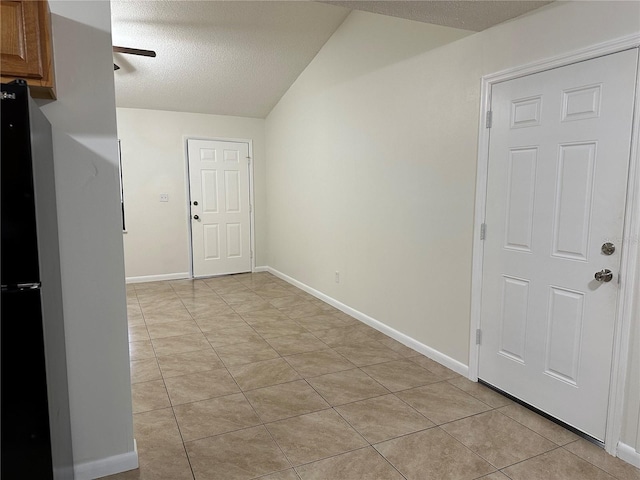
<point x="608" y="248"/>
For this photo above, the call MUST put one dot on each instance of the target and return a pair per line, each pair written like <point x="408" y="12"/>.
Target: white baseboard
<point x="427" y="351"/>
<point x="158" y="278"/>
<point x="628" y="454"/>
<point x="260" y="269"/>
<point x="107" y="466"/>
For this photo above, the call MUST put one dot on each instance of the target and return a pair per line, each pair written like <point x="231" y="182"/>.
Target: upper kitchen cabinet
<point x="26" y="47"/>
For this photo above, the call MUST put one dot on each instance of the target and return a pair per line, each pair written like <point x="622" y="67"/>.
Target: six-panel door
<point x="220" y="215"/>
<point x="558" y="165"/>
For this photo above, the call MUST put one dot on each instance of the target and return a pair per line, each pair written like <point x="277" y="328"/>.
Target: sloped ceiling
<point x="475" y="15"/>
<point x="239" y="57"/>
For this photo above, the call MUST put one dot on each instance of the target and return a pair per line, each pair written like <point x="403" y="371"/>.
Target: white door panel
<point x="558" y="161"/>
<point x="220" y="215"/>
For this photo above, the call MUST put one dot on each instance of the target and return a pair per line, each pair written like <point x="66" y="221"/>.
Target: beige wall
<point x="359" y="183"/>
<point x="372" y="161"/>
<point x="154" y="162"/>
<point x="85" y="161"/>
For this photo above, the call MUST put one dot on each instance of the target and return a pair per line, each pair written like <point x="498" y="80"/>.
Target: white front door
<point x="219" y="202"/>
<point x="558" y="161"/>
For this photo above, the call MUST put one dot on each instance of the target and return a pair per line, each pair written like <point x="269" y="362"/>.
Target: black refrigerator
<point x="35" y="440"/>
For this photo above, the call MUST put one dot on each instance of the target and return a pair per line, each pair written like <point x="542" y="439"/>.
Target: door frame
<point x="630" y="249"/>
<point x="187" y="180"/>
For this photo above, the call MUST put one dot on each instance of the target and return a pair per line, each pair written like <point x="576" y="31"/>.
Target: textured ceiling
<point x="239" y="57"/>
<point x="222" y="57"/>
<point x="475" y="15"/>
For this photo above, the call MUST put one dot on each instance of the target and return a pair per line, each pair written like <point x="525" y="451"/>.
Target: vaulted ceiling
<point x="475" y="15"/>
<point x="239" y="57"/>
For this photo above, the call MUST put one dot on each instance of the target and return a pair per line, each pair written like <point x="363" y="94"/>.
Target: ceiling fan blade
<point x="134" y="51"/>
<point x="115" y="67"/>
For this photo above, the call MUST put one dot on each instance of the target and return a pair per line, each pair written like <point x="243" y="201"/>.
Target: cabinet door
<point x="20" y="49"/>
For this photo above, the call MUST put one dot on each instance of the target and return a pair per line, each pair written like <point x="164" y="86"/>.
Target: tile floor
<point x="246" y="376"/>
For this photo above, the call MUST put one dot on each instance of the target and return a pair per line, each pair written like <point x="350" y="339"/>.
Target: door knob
<point x="196" y="217"/>
<point x="604" y="275"/>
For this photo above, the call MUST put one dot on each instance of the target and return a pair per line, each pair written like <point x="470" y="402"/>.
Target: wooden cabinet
<point x="25" y="45"/>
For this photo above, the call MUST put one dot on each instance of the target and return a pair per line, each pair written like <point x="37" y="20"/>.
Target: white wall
<point x="85" y="161"/>
<point x="154" y="162"/>
<point x="372" y="161"/>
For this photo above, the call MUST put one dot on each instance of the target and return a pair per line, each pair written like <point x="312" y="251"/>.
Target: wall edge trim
<point x="628" y="454"/>
<point x="107" y="466"/>
<point x="158" y="278"/>
<point x="599" y="49"/>
<point x="410" y="342"/>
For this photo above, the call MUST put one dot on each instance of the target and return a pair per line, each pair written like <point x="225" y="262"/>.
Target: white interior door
<point x="558" y="162"/>
<point x="220" y="213"/>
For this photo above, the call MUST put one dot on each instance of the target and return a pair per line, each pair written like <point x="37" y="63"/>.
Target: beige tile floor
<point x="245" y="377"/>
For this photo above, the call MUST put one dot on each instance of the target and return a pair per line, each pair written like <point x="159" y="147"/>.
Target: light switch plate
<point x="164" y="197"/>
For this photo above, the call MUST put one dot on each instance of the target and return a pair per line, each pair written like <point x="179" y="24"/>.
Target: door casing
<point x="630" y="254"/>
<point x="185" y="139"/>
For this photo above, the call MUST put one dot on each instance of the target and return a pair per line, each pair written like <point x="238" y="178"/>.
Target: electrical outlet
<point x="164" y="197"/>
<point x="337" y="276"/>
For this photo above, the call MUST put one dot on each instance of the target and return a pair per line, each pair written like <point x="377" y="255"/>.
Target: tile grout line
<point x="387" y="460"/>
<point x="173" y="413"/>
<point x="558" y="447"/>
<point x="584" y="459"/>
